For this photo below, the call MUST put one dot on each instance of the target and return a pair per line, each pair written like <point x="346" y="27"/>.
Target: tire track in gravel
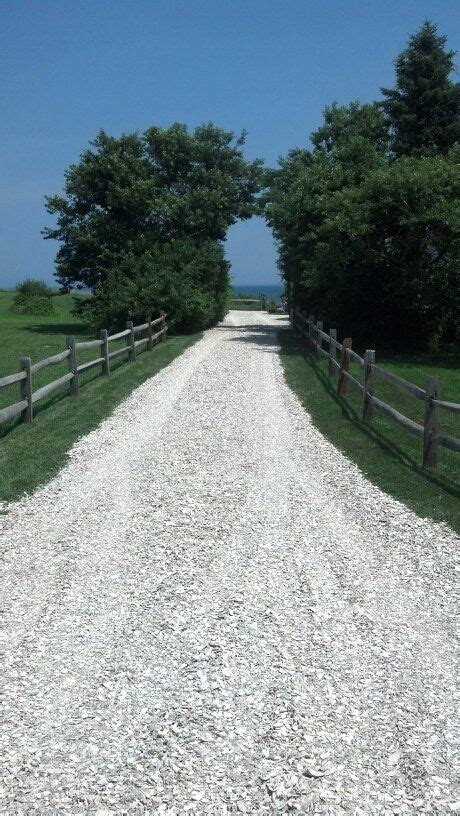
<point x="97" y="483"/>
<point x="224" y="628"/>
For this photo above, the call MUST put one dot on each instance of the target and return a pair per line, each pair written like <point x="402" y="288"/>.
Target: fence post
<point x="72" y="358"/>
<point x="430" y="425"/>
<point x="27" y="414"/>
<point x="163" y="324"/>
<point x="344" y="366"/>
<point x="332" y="349"/>
<point x="105" y="352"/>
<point x="311" y="323"/>
<point x="130" y="341"/>
<point x="319" y="339"/>
<point x="291" y="305"/>
<point x="149" y="333"/>
<point x="368" y="385"/>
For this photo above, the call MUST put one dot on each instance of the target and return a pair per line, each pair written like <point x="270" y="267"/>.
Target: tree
<point x="344" y="123"/>
<point x="370" y="245"/>
<point x="423" y="109"/>
<point x="412" y="225"/>
<point x="188" y="280"/>
<point x="133" y="201"/>
<point x="303" y="195"/>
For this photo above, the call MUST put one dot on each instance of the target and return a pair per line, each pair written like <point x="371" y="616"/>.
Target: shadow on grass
<point x="60" y="328"/>
<point x="447" y="359"/>
<point x="292" y="347"/>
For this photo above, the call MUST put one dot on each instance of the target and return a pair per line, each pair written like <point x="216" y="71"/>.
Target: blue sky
<point x="70" y="68"/>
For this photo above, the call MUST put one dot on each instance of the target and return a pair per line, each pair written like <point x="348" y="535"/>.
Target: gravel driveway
<point x="211" y="611"/>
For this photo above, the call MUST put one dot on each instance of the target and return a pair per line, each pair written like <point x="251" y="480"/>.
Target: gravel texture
<point x="211" y="611"/>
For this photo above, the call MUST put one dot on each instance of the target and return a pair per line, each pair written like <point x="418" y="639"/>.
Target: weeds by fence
<point x="28" y="397"/>
<point x="430" y="396"/>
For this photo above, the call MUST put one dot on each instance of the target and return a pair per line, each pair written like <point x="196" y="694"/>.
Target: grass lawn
<point x="30" y="454"/>
<point x="244" y="307"/>
<point x="241" y="304"/>
<point x="388" y="455"/>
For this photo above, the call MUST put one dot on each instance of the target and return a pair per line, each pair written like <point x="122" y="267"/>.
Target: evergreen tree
<point x="423" y="109"/>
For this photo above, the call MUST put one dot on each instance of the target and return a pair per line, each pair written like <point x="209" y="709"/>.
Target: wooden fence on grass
<point x="28" y="397"/>
<point x="250" y="304"/>
<point x="430" y="396"/>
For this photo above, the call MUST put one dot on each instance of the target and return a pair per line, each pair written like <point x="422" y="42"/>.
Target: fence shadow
<point x="351" y="415"/>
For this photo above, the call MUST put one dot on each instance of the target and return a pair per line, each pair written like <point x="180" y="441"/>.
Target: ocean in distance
<point x="274" y="290"/>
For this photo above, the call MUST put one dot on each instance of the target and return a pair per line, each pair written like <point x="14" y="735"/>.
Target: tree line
<point x="366" y="218"/>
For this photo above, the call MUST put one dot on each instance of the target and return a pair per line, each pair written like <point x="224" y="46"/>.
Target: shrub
<point x="191" y="283"/>
<point x="34" y="305"/>
<point x="32" y="287"/>
<point x="33" y="297"/>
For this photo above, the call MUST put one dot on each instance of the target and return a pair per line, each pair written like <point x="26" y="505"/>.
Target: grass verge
<point x="386" y="454"/>
<point x="31" y="454"/>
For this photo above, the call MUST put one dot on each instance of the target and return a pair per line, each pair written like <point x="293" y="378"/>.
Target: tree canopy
<point x="369" y="240"/>
<point x="143" y="219"/>
<point x="366" y="217"/>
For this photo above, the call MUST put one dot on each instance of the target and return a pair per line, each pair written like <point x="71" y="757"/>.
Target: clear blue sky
<point x="70" y="68"/>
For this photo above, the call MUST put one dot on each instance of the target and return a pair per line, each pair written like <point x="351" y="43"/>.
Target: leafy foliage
<point x="33" y="297"/>
<point x="32" y="287"/>
<point x="143" y="220"/>
<point x="190" y="282"/>
<point x="368" y="242"/>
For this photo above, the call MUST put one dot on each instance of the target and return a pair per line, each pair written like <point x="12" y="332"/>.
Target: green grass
<point x="244" y="307"/>
<point x="30" y="454"/>
<point x="388" y="455"/>
<point x="244" y="303"/>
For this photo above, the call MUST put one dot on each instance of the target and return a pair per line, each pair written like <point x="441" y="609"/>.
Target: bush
<point x="271" y="306"/>
<point x="33" y="297"/>
<point x="32" y="287"/>
<point x="34" y="305"/>
<point x="191" y="283"/>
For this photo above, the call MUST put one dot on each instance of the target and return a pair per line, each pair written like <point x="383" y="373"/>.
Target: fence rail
<point x="28" y="397"/>
<point x="251" y="304"/>
<point x="430" y="396"/>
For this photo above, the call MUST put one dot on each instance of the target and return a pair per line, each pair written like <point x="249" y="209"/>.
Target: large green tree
<point x="305" y="201"/>
<point x="368" y="243"/>
<point x="423" y="109"/>
<point x="142" y="209"/>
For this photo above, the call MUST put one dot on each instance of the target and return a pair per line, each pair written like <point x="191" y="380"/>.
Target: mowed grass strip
<point x="240" y="305"/>
<point x="32" y="453"/>
<point x="390" y="457"/>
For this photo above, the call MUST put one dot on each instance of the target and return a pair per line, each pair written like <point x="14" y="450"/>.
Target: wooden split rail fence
<point x="248" y="304"/>
<point x="430" y="396"/>
<point x="28" y="397"/>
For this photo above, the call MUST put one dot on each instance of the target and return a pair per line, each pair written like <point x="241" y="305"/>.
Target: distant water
<point x="274" y="290"/>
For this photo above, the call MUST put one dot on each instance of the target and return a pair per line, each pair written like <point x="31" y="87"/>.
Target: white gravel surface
<point x="211" y="611"/>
